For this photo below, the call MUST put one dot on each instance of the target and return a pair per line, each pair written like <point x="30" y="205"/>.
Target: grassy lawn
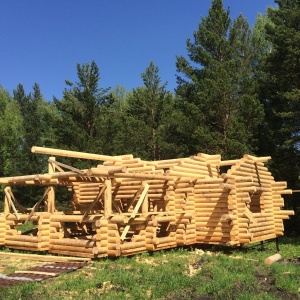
<point x="217" y="273"/>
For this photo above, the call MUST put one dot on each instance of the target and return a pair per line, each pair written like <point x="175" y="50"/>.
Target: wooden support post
<point x="107" y="199"/>
<point x="50" y="202"/>
<point x="6" y="208"/>
<point x="8" y="197"/>
<point x="20" y="207"/>
<point x="145" y="205"/>
<point x="57" y="164"/>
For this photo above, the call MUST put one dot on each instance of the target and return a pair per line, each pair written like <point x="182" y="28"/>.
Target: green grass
<point x="26" y="226"/>
<point x="230" y="273"/>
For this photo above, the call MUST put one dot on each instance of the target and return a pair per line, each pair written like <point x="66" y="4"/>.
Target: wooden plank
<point x="37" y="272"/>
<point x="46" y="258"/>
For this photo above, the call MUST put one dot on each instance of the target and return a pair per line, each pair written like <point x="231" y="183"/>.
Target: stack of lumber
<point x="126" y="205"/>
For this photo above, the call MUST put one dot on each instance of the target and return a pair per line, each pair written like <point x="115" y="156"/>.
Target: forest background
<point x="238" y="92"/>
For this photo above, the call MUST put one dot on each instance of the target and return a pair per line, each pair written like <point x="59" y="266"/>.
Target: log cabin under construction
<point x="126" y="205"/>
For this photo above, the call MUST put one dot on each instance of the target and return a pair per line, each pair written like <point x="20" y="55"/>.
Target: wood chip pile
<point x="126" y="205"/>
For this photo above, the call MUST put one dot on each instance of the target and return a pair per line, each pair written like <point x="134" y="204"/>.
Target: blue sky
<point x="43" y="40"/>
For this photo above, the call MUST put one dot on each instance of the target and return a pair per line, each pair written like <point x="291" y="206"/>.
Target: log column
<point x="50" y="201"/>
<point x="107" y="199"/>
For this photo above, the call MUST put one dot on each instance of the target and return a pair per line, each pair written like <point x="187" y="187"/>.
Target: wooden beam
<point x="37" y="273"/>
<point x="50" y="160"/>
<point x="6" y="190"/>
<point x="74" y="154"/>
<point x="43" y="257"/>
<point x="50" y="202"/>
<point x="20" y="207"/>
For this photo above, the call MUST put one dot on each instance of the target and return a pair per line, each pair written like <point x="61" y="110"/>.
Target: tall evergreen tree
<point x="80" y="111"/>
<point x="281" y="93"/>
<point x="148" y="111"/>
<point x="33" y="126"/>
<point x="113" y="118"/>
<point x="11" y="135"/>
<point x="217" y="94"/>
<point x="37" y="124"/>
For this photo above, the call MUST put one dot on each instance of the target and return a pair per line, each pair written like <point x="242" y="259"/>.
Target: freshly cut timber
<point x="125" y="205"/>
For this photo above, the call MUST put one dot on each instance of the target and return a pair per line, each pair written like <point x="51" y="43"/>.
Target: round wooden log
<point x="131" y="245"/>
<point x="273" y="258"/>
<point x="71" y="248"/>
<point x="74" y="154"/>
<point x="264" y="237"/>
<point x="119" y="219"/>
<point x="72" y="253"/>
<point x="163" y="240"/>
<point x="138" y="238"/>
<point x="74" y="218"/>
<point x="22" y="238"/>
<point x="11" y="243"/>
<point x="133" y="251"/>
<point x="212" y="239"/>
<point x="262" y="229"/>
<point x="74" y="243"/>
<point x="264" y="233"/>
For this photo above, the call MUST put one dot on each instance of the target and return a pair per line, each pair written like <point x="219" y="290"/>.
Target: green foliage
<point x="148" y="111"/>
<point x="280" y="95"/>
<point x="11" y="134"/>
<point x="80" y="111"/>
<point x="218" y="93"/>
<point x="35" y="127"/>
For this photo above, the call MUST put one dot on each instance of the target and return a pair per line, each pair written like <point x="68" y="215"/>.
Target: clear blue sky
<point x="43" y="40"/>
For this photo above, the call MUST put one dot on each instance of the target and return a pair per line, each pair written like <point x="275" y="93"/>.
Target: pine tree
<point x="217" y="95"/>
<point x="148" y="111"/>
<point x="37" y="124"/>
<point x="80" y="111"/>
<point x="33" y="126"/>
<point x="280" y="94"/>
<point x="11" y="134"/>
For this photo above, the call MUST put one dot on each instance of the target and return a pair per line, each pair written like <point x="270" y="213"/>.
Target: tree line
<point x="238" y="91"/>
